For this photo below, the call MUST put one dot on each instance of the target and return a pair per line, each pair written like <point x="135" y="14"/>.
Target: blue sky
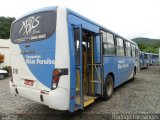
<point x="129" y="18"/>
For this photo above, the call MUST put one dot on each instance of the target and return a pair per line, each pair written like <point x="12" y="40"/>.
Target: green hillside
<point x="5" y="24"/>
<point x="147" y="44"/>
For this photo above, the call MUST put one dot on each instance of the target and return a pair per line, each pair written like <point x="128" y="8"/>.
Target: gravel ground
<point x="141" y="96"/>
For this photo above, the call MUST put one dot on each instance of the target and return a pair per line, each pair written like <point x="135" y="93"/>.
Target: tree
<point x="5" y="24"/>
<point x="142" y="45"/>
<point x="148" y="45"/>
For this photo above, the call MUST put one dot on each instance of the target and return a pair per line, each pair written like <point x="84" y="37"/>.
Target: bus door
<point x="79" y="67"/>
<point x="94" y="64"/>
<point x="88" y="66"/>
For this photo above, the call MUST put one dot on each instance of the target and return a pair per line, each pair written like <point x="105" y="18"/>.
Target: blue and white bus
<point x="144" y="60"/>
<point x="150" y="58"/>
<point x="155" y="59"/>
<point x="65" y="61"/>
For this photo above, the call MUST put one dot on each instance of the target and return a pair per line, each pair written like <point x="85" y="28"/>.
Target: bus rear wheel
<point x="134" y="73"/>
<point x="2" y="76"/>
<point x="108" y="87"/>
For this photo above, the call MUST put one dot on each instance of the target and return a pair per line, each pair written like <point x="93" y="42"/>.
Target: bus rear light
<point x="55" y="78"/>
<point x="28" y="82"/>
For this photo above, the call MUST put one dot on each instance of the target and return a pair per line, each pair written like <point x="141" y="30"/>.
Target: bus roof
<point x="50" y="8"/>
<point x="103" y="28"/>
<point x="36" y="11"/>
<point x="149" y="53"/>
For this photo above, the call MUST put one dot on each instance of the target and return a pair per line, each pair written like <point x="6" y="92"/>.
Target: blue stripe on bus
<point x="44" y="50"/>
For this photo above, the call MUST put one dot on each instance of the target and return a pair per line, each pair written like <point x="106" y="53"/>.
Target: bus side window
<point x="120" y="47"/>
<point x="136" y="53"/>
<point x="133" y="50"/>
<point x="108" y="44"/>
<point x="128" y="49"/>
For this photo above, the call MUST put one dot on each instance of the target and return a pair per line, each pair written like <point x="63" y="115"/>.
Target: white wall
<point x="4" y="49"/>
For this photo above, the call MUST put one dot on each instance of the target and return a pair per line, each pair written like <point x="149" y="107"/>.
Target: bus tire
<point x="108" y="87"/>
<point x="134" y="73"/>
<point x="2" y="76"/>
<point x="147" y="66"/>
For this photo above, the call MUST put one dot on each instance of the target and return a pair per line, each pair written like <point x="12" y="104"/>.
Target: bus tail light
<point x="29" y="82"/>
<point x="55" y="78"/>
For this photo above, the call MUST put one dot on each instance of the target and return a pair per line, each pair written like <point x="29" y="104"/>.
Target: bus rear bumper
<point x="56" y="99"/>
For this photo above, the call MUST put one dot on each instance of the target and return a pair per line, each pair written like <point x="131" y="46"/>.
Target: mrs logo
<point x="29" y="26"/>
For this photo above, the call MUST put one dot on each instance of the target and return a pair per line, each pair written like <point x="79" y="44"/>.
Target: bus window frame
<point x="103" y="43"/>
<point x="124" y="55"/>
<point x="34" y="40"/>
<point x="128" y="49"/>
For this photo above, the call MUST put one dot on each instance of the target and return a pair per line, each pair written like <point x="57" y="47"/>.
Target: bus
<point x="144" y="60"/>
<point x="155" y="59"/>
<point x="66" y="61"/>
<point x="150" y="59"/>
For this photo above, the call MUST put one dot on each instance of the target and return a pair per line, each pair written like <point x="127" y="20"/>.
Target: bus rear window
<point x="34" y="27"/>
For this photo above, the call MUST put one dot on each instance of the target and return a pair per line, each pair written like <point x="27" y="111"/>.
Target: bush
<point x="7" y="68"/>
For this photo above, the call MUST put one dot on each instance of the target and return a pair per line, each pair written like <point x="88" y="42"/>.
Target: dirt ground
<point x="138" y="97"/>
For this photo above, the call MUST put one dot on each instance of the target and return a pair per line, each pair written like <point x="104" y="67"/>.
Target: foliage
<point x="5" y="24"/>
<point x="7" y="68"/>
<point x="148" y="45"/>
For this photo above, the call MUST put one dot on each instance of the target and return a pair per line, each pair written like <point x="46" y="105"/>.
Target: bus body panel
<point x="41" y="63"/>
<point x="132" y="66"/>
<point x="110" y="66"/>
<point x="57" y="99"/>
<point x="122" y="66"/>
<point x="73" y="19"/>
<point x="125" y="70"/>
<point x="62" y="59"/>
<point x="21" y="70"/>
